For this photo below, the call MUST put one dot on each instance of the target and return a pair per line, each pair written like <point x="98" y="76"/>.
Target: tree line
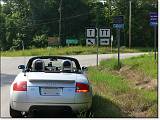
<point x="33" y="21"/>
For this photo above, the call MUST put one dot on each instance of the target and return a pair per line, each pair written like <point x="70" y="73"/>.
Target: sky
<point x="1" y="2"/>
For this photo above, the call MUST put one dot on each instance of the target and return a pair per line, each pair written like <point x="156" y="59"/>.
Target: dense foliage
<point x="32" y="21"/>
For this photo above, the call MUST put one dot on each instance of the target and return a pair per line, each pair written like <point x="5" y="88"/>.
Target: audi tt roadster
<point x="53" y="83"/>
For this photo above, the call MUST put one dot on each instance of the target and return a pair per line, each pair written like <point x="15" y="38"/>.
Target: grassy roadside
<point x="74" y="50"/>
<point x="128" y="92"/>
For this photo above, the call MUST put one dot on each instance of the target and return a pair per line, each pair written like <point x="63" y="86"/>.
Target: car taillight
<point x="20" y="86"/>
<point x="82" y="87"/>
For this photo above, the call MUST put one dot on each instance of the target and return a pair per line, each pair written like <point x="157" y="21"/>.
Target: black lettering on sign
<point x="90" y="32"/>
<point x="104" y="32"/>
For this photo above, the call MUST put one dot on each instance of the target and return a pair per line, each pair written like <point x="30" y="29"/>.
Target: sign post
<point x="118" y="23"/>
<point x="118" y="44"/>
<point x="154" y="23"/>
<point x="155" y="43"/>
<point x="111" y="42"/>
<point x="97" y="44"/>
<point x="93" y="35"/>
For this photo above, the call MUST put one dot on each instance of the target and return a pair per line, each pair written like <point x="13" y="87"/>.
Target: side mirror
<point x="21" y="67"/>
<point x="84" y="68"/>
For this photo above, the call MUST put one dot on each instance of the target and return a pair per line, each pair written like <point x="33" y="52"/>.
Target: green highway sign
<point x="71" y="41"/>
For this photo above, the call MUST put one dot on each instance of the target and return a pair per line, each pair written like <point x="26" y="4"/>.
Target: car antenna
<point x="24" y="58"/>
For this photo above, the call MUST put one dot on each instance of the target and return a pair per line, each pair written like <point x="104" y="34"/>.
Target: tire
<point x="15" y="113"/>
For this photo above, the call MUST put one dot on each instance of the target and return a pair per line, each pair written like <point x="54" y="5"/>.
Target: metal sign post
<point x="97" y="44"/>
<point x="154" y="24"/>
<point x="118" y="43"/>
<point x="111" y="42"/>
<point x="118" y="23"/>
<point x="155" y="43"/>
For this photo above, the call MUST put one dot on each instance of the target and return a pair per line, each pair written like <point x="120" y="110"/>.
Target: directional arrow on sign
<point x="104" y="41"/>
<point x="90" y="41"/>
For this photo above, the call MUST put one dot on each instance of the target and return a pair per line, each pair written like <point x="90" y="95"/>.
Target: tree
<point x="22" y="20"/>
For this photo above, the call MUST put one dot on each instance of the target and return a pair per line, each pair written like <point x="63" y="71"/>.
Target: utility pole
<point x="109" y="13"/>
<point x="130" y="22"/>
<point x="60" y="21"/>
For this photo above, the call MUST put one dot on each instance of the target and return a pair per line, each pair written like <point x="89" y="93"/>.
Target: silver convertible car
<point x="50" y="83"/>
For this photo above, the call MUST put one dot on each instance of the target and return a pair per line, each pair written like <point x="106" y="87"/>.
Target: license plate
<point x="49" y="91"/>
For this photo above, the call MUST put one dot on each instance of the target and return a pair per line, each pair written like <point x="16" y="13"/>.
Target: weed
<point x="116" y="96"/>
<point x="73" y="50"/>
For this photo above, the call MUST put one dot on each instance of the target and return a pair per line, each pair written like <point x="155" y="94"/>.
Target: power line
<point x="56" y="20"/>
<point x="51" y="19"/>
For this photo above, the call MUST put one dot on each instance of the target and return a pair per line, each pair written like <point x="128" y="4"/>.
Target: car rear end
<point x="46" y="93"/>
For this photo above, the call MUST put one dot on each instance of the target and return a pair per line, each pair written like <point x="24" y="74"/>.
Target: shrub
<point x="40" y="41"/>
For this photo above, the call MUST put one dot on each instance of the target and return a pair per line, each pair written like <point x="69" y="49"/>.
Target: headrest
<point x="67" y="66"/>
<point x="38" y="65"/>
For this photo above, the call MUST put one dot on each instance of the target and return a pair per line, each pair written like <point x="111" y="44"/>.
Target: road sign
<point x="53" y="40"/>
<point x="118" y="26"/>
<point x="154" y="23"/>
<point x="104" y="41"/>
<point x="104" y="33"/>
<point x="72" y="41"/>
<point x="118" y="22"/>
<point x="90" y="32"/>
<point x="153" y="19"/>
<point x="118" y="19"/>
<point x="90" y="41"/>
<point x="91" y="36"/>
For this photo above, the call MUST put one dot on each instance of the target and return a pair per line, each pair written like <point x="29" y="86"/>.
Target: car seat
<point x="38" y="65"/>
<point x="67" y="66"/>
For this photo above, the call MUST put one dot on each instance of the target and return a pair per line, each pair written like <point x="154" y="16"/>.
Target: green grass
<point x="114" y="95"/>
<point x="143" y="63"/>
<point x="74" y="50"/>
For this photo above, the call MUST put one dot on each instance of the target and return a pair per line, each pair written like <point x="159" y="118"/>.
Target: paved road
<point x="9" y="71"/>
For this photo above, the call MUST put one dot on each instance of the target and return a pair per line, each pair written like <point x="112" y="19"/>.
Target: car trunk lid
<point x="51" y="87"/>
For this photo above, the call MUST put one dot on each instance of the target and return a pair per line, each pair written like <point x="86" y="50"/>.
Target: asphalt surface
<point x="9" y="71"/>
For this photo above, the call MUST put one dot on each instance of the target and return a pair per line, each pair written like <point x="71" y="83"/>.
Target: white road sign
<point x="104" y="41"/>
<point x="90" y="32"/>
<point x="104" y="33"/>
<point x="90" y="41"/>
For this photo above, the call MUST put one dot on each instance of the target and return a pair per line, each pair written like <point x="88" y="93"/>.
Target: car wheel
<point x="15" y="113"/>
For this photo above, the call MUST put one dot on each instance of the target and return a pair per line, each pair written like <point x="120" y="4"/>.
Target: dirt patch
<point x="137" y="78"/>
<point x="140" y="114"/>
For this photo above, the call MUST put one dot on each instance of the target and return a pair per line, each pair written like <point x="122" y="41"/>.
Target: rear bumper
<point x="25" y="107"/>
